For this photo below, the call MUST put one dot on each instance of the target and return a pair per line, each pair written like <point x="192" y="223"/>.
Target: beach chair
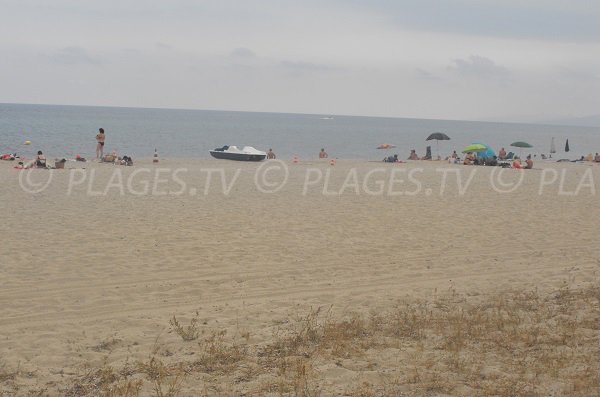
<point x="427" y="154"/>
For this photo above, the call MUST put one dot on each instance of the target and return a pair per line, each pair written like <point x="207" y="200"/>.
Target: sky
<point x="503" y="60"/>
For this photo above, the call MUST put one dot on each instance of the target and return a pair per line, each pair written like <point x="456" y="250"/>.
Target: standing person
<point x="323" y="154"/>
<point x="100" y="137"/>
<point x="271" y="154"/>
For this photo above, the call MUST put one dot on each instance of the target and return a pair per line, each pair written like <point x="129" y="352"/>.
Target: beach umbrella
<point x="475" y="147"/>
<point x="438" y="136"/>
<point x="567" y="146"/>
<point x="386" y="146"/>
<point x="521" y="145"/>
<point x="488" y="152"/>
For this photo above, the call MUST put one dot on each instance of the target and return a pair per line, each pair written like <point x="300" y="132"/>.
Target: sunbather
<point x="517" y="163"/>
<point x="469" y="159"/>
<point x="502" y="154"/>
<point x="40" y="160"/>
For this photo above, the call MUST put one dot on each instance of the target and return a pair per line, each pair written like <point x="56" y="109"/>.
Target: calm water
<point x="62" y="131"/>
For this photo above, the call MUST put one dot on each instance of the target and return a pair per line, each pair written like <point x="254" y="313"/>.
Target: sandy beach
<point x="96" y="264"/>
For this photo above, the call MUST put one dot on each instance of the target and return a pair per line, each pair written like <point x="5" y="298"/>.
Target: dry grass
<point x="189" y="333"/>
<point x="104" y="382"/>
<point x="514" y="343"/>
<point x="166" y="380"/>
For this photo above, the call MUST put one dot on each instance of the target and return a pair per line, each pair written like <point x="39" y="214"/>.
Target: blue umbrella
<point x="489" y="152"/>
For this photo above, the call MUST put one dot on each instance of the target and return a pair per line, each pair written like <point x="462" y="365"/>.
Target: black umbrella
<point x="438" y="136"/>
<point x="567" y="146"/>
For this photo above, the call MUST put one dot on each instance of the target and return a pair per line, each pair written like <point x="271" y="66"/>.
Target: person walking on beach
<point x="323" y="154"/>
<point x="271" y="154"/>
<point x="100" y="137"/>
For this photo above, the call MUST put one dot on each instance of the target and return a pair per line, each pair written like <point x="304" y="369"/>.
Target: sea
<point x="65" y="131"/>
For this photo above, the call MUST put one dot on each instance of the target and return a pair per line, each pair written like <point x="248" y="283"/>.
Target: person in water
<point x="271" y="154"/>
<point x="323" y="154"/>
<point x="100" y="138"/>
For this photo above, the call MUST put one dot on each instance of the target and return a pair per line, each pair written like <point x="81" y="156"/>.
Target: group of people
<point x="271" y="155"/>
<point x="40" y="159"/>
<point x="472" y="159"/>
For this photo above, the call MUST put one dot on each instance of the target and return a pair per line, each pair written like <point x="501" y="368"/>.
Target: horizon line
<point x="299" y="113"/>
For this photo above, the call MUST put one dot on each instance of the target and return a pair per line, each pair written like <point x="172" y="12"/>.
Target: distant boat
<point x="327" y="118"/>
<point x="248" y="153"/>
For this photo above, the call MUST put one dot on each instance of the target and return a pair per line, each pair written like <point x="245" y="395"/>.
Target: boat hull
<point x="237" y="156"/>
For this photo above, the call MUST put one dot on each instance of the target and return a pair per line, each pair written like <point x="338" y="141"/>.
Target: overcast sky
<point x="453" y="59"/>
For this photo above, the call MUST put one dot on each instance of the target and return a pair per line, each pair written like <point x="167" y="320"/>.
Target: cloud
<point x="74" y="56"/>
<point x="480" y="67"/>
<point x="553" y="20"/>
<point x="425" y="75"/>
<point x="163" y="46"/>
<point x="243" y="52"/>
<point x="306" y="66"/>
<point x="579" y="75"/>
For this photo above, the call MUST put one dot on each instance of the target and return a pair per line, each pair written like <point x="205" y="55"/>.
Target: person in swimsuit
<point x="517" y="163"/>
<point x="323" y="154"/>
<point x="40" y="160"/>
<point x="413" y="155"/>
<point x="502" y="154"/>
<point x="271" y="154"/>
<point x="100" y="137"/>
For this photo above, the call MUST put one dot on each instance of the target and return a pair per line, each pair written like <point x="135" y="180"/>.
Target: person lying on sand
<point x="8" y="157"/>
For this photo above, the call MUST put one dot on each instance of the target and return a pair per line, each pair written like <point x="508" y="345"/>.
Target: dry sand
<point x="88" y="278"/>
